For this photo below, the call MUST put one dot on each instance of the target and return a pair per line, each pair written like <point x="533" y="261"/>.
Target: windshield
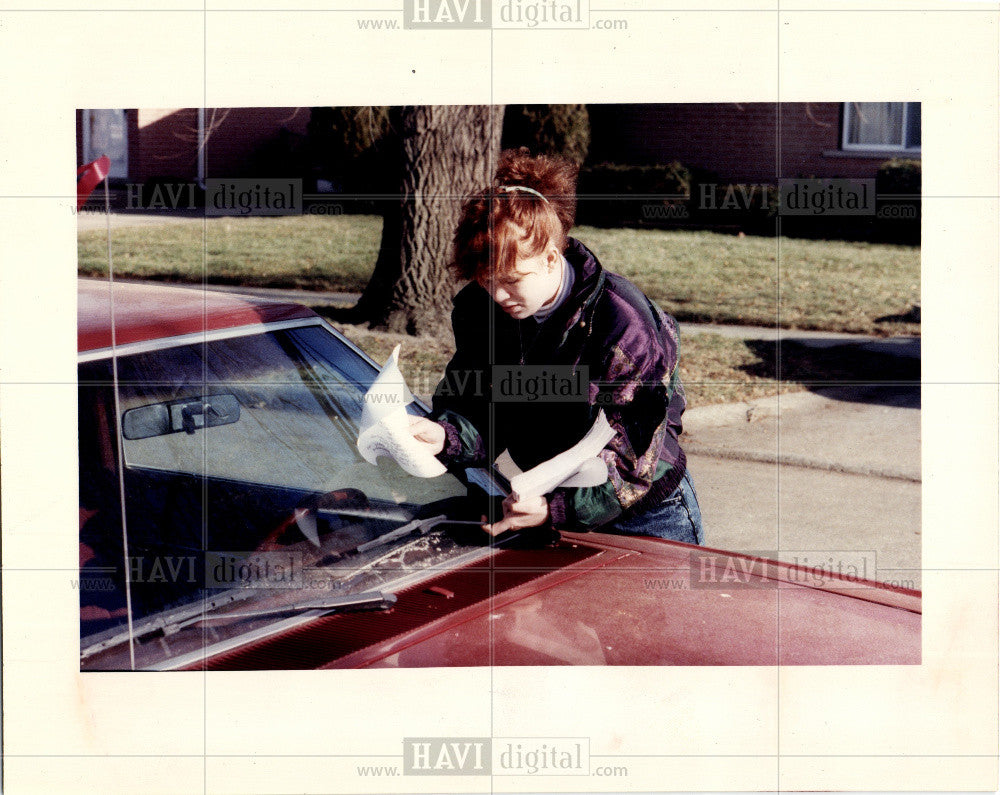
<point x="244" y="491"/>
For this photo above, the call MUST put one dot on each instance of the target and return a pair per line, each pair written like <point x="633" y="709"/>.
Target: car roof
<point x="144" y="312"/>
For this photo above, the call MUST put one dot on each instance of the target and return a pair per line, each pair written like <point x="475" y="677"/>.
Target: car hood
<point x="594" y="599"/>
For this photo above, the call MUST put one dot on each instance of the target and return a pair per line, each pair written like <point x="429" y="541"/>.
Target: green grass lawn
<point x="696" y="276"/>
<point x="711" y="277"/>
<point x="306" y="252"/>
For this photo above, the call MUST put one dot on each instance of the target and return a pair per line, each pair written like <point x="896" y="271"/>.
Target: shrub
<point x="897" y="204"/>
<point x="899" y="176"/>
<point x="609" y="194"/>
<point x="344" y="146"/>
<point x="282" y="155"/>
<point x="548" y="130"/>
<point x="748" y="208"/>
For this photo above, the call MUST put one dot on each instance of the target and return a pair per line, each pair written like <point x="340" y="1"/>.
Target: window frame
<point x="120" y="165"/>
<point x="845" y="145"/>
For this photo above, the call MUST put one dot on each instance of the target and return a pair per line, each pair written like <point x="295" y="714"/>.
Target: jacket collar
<point x="587" y="270"/>
<point x="587" y="286"/>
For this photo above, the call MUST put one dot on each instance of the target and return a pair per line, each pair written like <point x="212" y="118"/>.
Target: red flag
<point x="89" y="177"/>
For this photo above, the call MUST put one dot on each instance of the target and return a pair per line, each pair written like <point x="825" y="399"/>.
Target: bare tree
<point x="444" y="153"/>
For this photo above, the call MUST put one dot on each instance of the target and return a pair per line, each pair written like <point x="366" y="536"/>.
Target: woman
<point x="539" y="302"/>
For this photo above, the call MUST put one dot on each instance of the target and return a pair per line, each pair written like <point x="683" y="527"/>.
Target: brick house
<point x="737" y="141"/>
<point x="740" y="141"/>
<point x="163" y="143"/>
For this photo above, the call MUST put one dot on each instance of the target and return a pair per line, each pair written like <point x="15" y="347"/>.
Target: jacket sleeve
<point x="460" y="403"/>
<point x="640" y="391"/>
<point x="463" y="444"/>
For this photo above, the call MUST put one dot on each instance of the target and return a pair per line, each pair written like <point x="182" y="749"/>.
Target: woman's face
<point x="532" y="284"/>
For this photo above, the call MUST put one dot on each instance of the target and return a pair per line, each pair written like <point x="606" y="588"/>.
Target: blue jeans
<point x="677" y="518"/>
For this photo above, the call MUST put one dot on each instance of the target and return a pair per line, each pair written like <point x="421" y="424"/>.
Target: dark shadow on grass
<point x="910" y="316"/>
<point x="843" y="372"/>
<point x="339" y="314"/>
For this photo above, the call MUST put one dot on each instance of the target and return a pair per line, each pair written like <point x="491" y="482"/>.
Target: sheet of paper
<point x="558" y="469"/>
<point x="592" y="472"/>
<point x="385" y="429"/>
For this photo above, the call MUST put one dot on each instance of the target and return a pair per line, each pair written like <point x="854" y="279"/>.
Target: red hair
<point x="500" y="223"/>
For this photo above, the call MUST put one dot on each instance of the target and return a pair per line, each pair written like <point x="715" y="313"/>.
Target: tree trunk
<point x="446" y="153"/>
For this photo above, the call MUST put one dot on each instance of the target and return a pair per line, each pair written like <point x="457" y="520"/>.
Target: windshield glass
<point x="244" y="490"/>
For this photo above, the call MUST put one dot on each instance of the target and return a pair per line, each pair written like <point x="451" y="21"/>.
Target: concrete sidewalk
<point x="94" y="218"/>
<point x="833" y="474"/>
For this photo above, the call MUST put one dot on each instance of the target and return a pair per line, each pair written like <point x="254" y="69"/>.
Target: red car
<point x="243" y="529"/>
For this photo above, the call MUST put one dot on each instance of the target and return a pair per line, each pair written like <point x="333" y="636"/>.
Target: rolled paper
<point x="592" y="472"/>
<point x="557" y="470"/>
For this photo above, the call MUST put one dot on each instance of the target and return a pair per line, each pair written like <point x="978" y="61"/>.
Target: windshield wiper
<point x="369" y="600"/>
<point x="417" y="527"/>
<point x="151" y="629"/>
<point x="334" y="504"/>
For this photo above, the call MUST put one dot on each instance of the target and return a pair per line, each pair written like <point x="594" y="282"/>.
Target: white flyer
<point x="385" y="429"/>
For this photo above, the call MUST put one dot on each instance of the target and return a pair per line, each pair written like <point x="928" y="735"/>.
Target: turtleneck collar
<point x="565" y="287"/>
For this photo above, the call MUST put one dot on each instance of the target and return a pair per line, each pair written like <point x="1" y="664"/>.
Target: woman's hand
<point x="529" y="512"/>
<point x="428" y="433"/>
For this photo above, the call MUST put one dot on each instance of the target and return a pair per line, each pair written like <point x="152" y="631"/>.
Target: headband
<point x="510" y="188"/>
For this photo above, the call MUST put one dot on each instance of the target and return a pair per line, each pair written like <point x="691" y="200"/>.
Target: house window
<point x="105" y="132"/>
<point x="882" y="126"/>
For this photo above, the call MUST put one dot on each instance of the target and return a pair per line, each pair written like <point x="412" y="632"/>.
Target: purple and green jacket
<point x="624" y="345"/>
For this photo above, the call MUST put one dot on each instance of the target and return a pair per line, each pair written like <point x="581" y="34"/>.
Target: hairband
<point x="509" y="188"/>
